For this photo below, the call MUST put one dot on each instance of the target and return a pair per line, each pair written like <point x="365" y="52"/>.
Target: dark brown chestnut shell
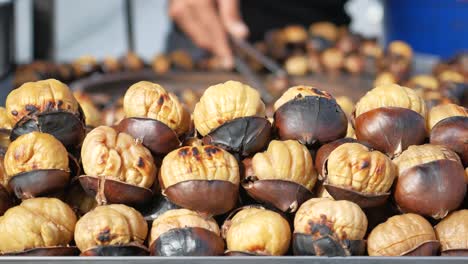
<point x="429" y="248"/>
<point x="310" y="120"/>
<point x="158" y="205"/>
<point x="188" y="241"/>
<point x="455" y="253"/>
<point x="46" y="251"/>
<point x="286" y="196"/>
<point x="155" y="135"/>
<point x="35" y="183"/>
<point x="326" y="245"/>
<point x="244" y="135"/>
<point x="364" y="200"/>
<point x="108" y="191"/>
<point x="214" y="197"/>
<point x="242" y="254"/>
<point x="390" y="130"/>
<point x="116" y="250"/>
<point x="5" y="200"/>
<point x="324" y="151"/>
<point x="431" y="189"/>
<point x="67" y="127"/>
<point x="453" y="133"/>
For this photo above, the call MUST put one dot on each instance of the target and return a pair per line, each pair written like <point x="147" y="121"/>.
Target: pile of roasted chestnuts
<point x="320" y="177"/>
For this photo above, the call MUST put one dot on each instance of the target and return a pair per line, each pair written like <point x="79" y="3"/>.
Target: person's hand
<point x="208" y="23"/>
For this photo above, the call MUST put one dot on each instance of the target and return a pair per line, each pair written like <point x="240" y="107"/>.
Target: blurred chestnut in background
<point x="255" y="230"/>
<point x="91" y="113"/>
<point x="354" y="172"/>
<point x="110" y="65"/>
<point x="454" y="86"/>
<point x="390" y="118"/>
<point x="353" y="63"/>
<point x="112" y="230"/>
<point x="295" y="37"/>
<point x="131" y="62"/>
<point x="155" y="117"/>
<point x="403" y="235"/>
<point x="296" y="65"/>
<point x="452" y="232"/>
<point x="38" y="227"/>
<point x="47" y="106"/>
<point x="36" y="164"/>
<point x="181" y="60"/>
<point x="385" y="78"/>
<point x="6" y="124"/>
<point x="324" y="227"/>
<point x="349" y="43"/>
<point x="400" y="49"/>
<point x="84" y="65"/>
<point x="282" y="176"/>
<point x="231" y="115"/>
<point x="314" y="63"/>
<point x="332" y="60"/>
<point x="118" y="168"/>
<point x="431" y="181"/>
<point x="161" y="64"/>
<point x="372" y="54"/>
<point x="196" y="177"/>
<point x="181" y="232"/>
<point x="322" y="36"/>
<point x="309" y="115"/>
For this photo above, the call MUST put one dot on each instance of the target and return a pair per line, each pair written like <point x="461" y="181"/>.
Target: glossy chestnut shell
<point x="156" y="207"/>
<point x="35" y="183"/>
<point x="47" y="251"/>
<point x="453" y="133"/>
<point x="114" y="250"/>
<point x="326" y="245"/>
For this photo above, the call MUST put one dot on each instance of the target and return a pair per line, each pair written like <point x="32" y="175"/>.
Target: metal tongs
<point x="246" y="71"/>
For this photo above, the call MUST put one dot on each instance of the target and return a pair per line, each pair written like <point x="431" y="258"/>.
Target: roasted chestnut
<point x="111" y="230"/>
<point x="110" y="65"/>
<point x="78" y="199"/>
<point x="448" y="125"/>
<point x="354" y="172"/>
<point x="349" y="43"/>
<point x="84" y="65"/>
<point x="38" y="227"/>
<point x="5" y="200"/>
<point x="324" y="227"/>
<point x="294" y="37"/>
<point x="452" y="234"/>
<point x="231" y="115"/>
<point x="431" y="181"/>
<point x="296" y="65"/>
<point x="182" y="60"/>
<point x="195" y="177"/>
<point x="91" y="113"/>
<point x="354" y="63"/>
<point x="454" y="86"/>
<point x="309" y="115"/>
<point x="47" y="106"/>
<point x="282" y="176"/>
<point x="6" y="124"/>
<point x="256" y="231"/>
<point x="390" y="118"/>
<point x="118" y="168"/>
<point x="161" y="64"/>
<point x="154" y="116"/>
<point x="400" y="49"/>
<point x="113" y="115"/>
<point x="132" y="62"/>
<point x="325" y="30"/>
<point x="403" y="235"/>
<point x="314" y="63"/>
<point x="346" y="104"/>
<point x="332" y="59"/>
<point x="181" y="232"/>
<point x="423" y="82"/>
<point x="385" y="78"/>
<point x="36" y="164"/>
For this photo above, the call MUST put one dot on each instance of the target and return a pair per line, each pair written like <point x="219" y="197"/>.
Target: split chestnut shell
<point x="452" y="232"/>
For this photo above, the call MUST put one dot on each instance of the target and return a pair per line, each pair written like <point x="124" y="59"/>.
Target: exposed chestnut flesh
<point x="324" y="151"/>
<point x="188" y="241"/>
<point x="38" y="183"/>
<point x="453" y="133"/>
<point x="47" y="251"/>
<point x="113" y="250"/>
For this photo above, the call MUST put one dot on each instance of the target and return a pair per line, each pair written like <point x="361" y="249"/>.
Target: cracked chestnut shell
<point x="38" y="226"/>
<point x="112" y="230"/>
<point x="309" y="115"/>
<point x="448" y="125"/>
<point x="257" y="231"/>
<point x="431" y="181"/>
<point x="36" y="164"/>
<point x="47" y="106"/>
<point x="93" y="117"/>
<point x="182" y="232"/>
<point x="282" y="176"/>
<point x="354" y="172"/>
<point x="452" y="232"/>
<point x="118" y="168"/>
<point x="154" y="116"/>
<point x="389" y="118"/>
<point x="324" y="227"/>
<point x="194" y="177"/>
<point x="403" y="235"/>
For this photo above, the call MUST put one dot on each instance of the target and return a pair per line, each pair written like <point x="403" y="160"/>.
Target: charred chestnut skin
<point x="36" y="183"/>
<point x="244" y="135"/>
<point x="431" y="189"/>
<point x="67" y="127"/>
<point x="155" y="135"/>
<point x="327" y="245"/>
<point x="188" y="241"/>
<point x="116" y="250"/>
<point x="390" y="129"/>
<point x="310" y="120"/>
<point x="108" y="191"/>
<point x="47" y="251"/>
<point x="453" y="133"/>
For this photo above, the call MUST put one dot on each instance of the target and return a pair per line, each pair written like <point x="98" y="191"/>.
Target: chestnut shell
<point x="287" y="196"/>
<point x="208" y="196"/>
<point x="455" y="253"/>
<point x="390" y="130"/>
<point x="116" y="250"/>
<point x="158" y="205"/>
<point x="242" y="254"/>
<point x="431" y="189"/>
<point x="429" y="248"/>
<point x="364" y="200"/>
<point x="35" y="183"/>
<point x="188" y="241"/>
<point x="310" y="120"/>
<point x="5" y="200"/>
<point x="155" y="135"/>
<point x="67" y="127"/>
<point x="46" y="251"/>
<point x="453" y="133"/>
<point x="326" y="245"/>
<point x="244" y="135"/>
<point x="108" y="191"/>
